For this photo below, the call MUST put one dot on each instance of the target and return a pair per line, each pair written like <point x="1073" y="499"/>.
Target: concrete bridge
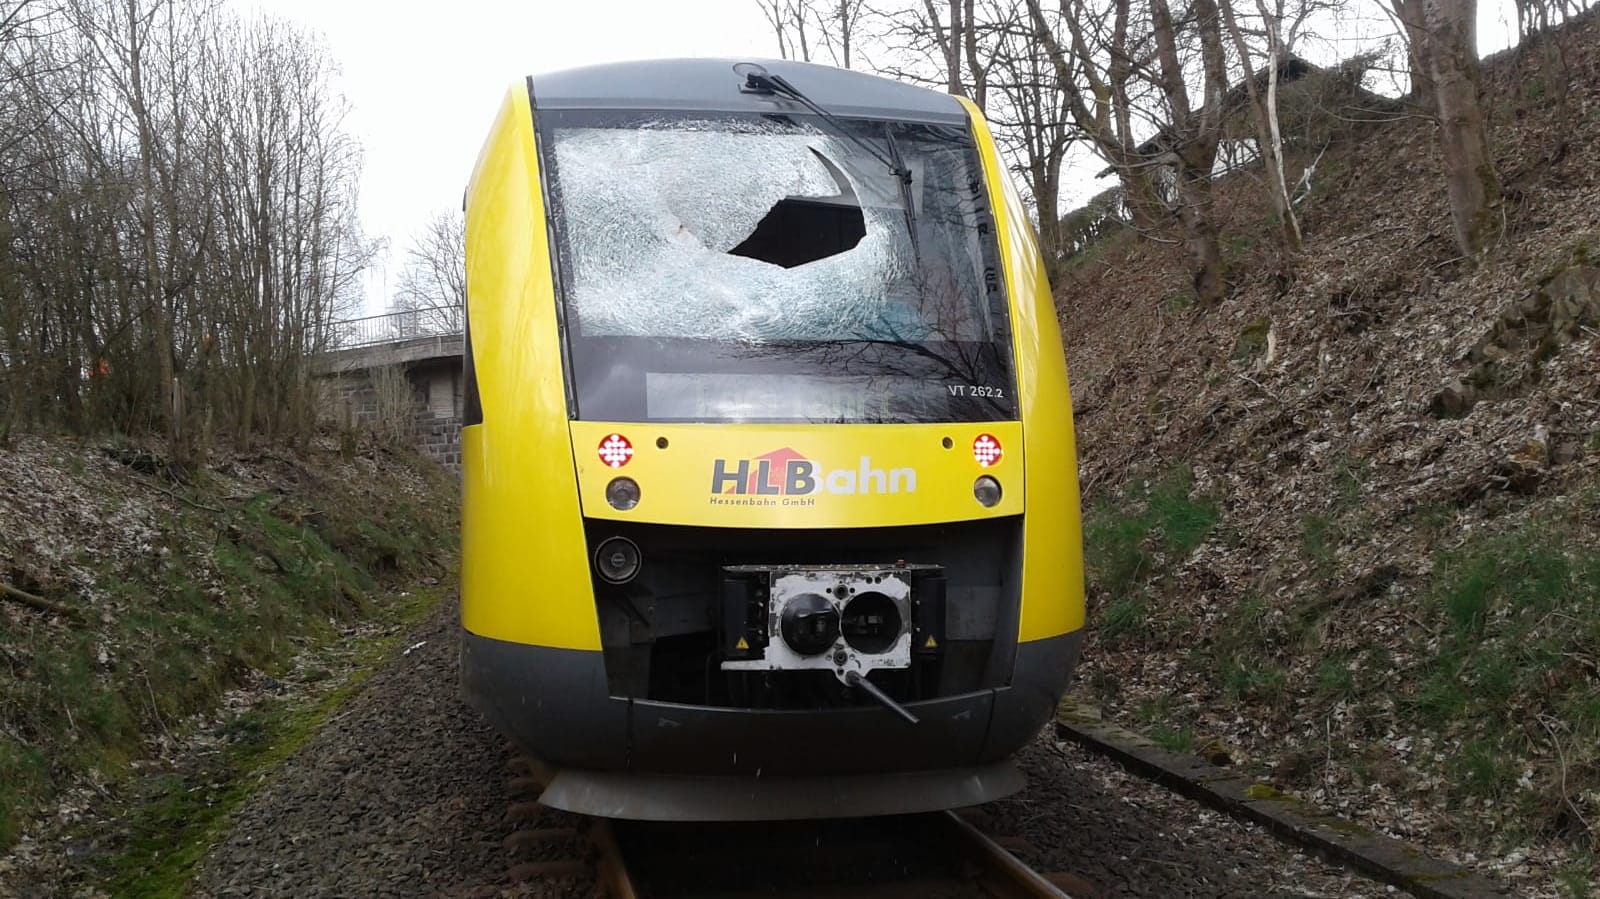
<point x="400" y="372"/>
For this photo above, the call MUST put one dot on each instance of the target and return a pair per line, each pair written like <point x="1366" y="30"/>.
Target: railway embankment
<point x="1343" y="527"/>
<point x="167" y="637"/>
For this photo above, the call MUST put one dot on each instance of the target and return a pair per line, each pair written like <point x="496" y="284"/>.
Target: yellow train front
<point x="771" y="505"/>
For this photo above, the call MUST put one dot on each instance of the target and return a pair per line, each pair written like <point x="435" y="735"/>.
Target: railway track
<point x="928" y="856"/>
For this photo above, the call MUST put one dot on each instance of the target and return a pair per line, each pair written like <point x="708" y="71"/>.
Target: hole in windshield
<point x="798" y="231"/>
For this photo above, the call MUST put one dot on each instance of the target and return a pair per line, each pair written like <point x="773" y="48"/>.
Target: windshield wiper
<point x="759" y="80"/>
<point x="905" y="197"/>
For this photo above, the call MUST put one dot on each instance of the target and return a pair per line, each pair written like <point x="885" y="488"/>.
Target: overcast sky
<point x="424" y="80"/>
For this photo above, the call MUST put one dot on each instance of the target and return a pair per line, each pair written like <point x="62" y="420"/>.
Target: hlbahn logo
<point x="784" y="472"/>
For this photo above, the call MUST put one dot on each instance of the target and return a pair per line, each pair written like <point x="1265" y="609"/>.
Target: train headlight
<point x="617" y="560"/>
<point x="987" y="491"/>
<point x="622" y="494"/>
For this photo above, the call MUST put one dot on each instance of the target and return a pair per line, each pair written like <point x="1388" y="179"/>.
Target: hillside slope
<point x="168" y="591"/>
<point x="1346" y="524"/>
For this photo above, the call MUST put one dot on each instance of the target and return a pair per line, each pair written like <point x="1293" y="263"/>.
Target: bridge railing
<point x="393" y="327"/>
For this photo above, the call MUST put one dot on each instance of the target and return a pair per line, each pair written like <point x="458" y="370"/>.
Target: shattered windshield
<point x="768" y="268"/>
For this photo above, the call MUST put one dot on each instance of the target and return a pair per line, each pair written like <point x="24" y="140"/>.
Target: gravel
<point x="1084" y="815"/>
<point x="401" y="794"/>
<point x="404" y="793"/>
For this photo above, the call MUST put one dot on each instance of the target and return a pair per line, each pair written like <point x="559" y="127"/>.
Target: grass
<point x="1153" y="526"/>
<point x="1335" y="680"/>
<point x="179" y="819"/>
<point x="1578" y="877"/>
<point x="1511" y="679"/>
<point x="1319" y="540"/>
<point x="1124" y="616"/>
<point x="216" y="596"/>
<point x="1173" y="739"/>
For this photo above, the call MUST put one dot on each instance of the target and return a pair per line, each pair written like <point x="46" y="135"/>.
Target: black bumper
<point x="555" y="704"/>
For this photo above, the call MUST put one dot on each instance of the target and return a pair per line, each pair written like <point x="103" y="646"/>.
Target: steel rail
<point x="1012" y="879"/>
<point x="611" y="870"/>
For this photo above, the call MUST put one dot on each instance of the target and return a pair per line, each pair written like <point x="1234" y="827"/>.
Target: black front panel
<point x="664" y="631"/>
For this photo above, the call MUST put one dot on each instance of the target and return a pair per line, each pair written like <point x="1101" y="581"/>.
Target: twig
<point x="38" y="603"/>
<point x="154" y="709"/>
<point x="1273" y="396"/>
<point x="184" y="499"/>
<point x="1561" y="756"/>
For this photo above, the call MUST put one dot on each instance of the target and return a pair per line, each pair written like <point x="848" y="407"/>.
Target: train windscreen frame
<point x="772" y="268"/>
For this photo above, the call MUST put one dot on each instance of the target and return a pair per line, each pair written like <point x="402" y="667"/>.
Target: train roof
<point x="712" y="85"/>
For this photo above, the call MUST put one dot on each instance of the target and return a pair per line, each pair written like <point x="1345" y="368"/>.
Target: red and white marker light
<point x="615" y="450"/>
<point x="986" y="450"/>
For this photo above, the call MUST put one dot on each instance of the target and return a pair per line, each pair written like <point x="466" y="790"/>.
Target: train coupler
<point x="848" y="619"/>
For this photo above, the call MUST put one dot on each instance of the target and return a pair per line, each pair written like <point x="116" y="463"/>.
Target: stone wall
<point x="421" y="401"/>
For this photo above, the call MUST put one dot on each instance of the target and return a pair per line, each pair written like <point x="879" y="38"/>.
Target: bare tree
<point x="1028" y="111"/>
<point x="1102" y="66"/>
<point x="1413" y="28"/>
<point x="1472" y="179"/>
<point x="433" y="282"/>
<point x="177" y="218"/>
<point x="1264" y="104"/>
<point x="837" y="23"/>
<point x="942" y="45"/>
<point x="790" y="21"/>
<point x="1191" y="138"/>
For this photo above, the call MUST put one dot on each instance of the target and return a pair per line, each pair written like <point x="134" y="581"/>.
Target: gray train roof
<point x="712" y="85"/>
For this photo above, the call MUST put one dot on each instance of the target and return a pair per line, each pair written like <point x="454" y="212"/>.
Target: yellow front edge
<point x="1052" y="557"/>
<point x="525" y="570"/>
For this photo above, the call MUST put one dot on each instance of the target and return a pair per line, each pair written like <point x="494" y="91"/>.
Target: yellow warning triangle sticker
<point x="931" y="644"/>
<point x="742" y="644"/>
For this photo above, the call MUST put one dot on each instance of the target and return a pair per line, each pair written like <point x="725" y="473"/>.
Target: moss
<point x="179" y="819"/>
<point x="1259" y="792"/>
<point x="219" y="594"/>
<point x="1252" y="340"/>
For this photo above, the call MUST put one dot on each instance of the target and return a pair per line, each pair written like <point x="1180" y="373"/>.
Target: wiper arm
<point x="758" y="79"/>
<point x="905" y="197"/>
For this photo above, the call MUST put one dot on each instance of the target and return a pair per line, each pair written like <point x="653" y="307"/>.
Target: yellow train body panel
<point x="654" y="585"/>
<point x="1052" y="580"/>
<point x="860" y="476"/>
<point x="520" y="508"/>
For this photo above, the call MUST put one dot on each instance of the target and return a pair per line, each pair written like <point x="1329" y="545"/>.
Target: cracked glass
<point x="775" y="269"/>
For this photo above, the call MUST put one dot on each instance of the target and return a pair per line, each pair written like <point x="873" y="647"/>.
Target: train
<point x="770" y="503"/>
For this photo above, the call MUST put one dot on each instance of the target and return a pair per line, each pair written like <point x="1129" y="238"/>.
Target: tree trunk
<point x="1200" y="236"/>
<point x="1413" y="22"/>
<point x="846" y="25"/>
<point x="1470" y="173"/>
<point x="1045" y="184"/>
<point x="1145" y="207"/>
<point x="1269" y="141"/>
<point x="1195" y="133"/>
